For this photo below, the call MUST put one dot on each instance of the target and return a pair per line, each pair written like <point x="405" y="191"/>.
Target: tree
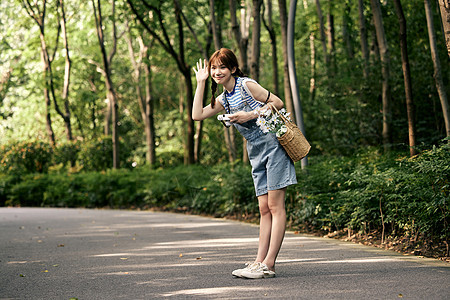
<point x="273" y="41"/>
<point x="38" y="14"/>
<point x="106" y="71"/>
<point x="256" y="43"/>
<point x="167" y="43"/>
<point x="444" y="6"/>
<point x="293" y="74"/>
<point x="406" y="77"/>
<point x="385" y="71"/>
<point x="146" y="105"/>
<point x="437" y="67"/>
<point x="286" y="81"/>
<point x="363" y="38"/>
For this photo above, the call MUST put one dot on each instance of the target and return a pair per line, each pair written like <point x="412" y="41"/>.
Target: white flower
<point x="281" y="131"/>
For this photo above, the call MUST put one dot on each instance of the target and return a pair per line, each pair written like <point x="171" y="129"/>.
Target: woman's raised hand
<point x="202" y="71"/>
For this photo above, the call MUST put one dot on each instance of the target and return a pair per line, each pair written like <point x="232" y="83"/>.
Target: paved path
<point x="111" y="254"/>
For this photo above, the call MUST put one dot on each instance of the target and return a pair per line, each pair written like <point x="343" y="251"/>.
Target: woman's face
<point x="220" y="73"/>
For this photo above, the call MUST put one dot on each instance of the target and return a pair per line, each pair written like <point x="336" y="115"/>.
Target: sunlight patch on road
<point x="212" y="291"/>
<point x="357" y="261"/>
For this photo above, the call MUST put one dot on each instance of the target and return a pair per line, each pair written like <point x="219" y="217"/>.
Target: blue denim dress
<point x="272" y="168"/>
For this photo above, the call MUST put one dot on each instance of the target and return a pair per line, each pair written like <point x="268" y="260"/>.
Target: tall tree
<point x="385" y="71"/>
<point x="293" y="73"/>
<point x="38" y="14"/>
<point x="67" y="69"/>
<point x="240" y="33"/>
<point x="323" y="37"/>
<point x="363" y="38"/>
<point x="144" y="100"/>
<point x="178" y="56"/>
<point x="273" y="42"/>
<point x="286" y="82"/>
<point x="346" y="30"/>
<point x="444" y="6"/>
<point x="406" y="77"/>
<point x="106" y="71"/>
<point x="437" y="67"/>
<point x="256" y="42"/>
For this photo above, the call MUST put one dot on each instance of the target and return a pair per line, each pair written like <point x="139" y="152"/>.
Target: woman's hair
<point x="226" y="57"/>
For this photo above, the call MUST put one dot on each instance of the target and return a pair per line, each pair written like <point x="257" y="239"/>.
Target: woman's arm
<point x="199" y="112"/>
<point x="260" y="94"/>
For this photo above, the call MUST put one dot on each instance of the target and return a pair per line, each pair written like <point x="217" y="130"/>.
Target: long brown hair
<point x="226" y="57"/>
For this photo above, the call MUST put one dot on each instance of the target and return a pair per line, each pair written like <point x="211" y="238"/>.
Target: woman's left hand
<point x="242" y="117"/>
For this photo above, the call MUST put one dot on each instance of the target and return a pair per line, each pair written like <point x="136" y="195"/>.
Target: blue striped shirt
<point x="234" y="98"/>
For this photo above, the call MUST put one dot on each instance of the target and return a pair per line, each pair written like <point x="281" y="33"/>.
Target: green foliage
<point x="26" y="157"/>
<point x="96" y="155"/>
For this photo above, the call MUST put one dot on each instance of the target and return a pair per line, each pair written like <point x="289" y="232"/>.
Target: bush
<point x="97" y="155"/>
<point x="26" y="157"/>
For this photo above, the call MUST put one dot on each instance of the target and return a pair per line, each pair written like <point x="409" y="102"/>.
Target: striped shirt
<point x="234" y="98"/>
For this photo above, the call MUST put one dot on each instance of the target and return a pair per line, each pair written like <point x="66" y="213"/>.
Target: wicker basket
<point x="293" y="140"/>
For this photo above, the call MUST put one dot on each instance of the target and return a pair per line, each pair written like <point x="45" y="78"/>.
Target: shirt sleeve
<point x="247" y="90"/>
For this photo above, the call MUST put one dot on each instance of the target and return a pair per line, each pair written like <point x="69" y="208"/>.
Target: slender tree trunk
<point x="240" y="35"/>
<point x="214" y="25"/>
<point x="363" y="38"/>
<point x="331" y="40"/>
<point x="345" y="31"/>
<point x="256" y="43"/>
<point x="444" y="6"/>
<point x="293" y="73"/>
<point x="110" y="91"/>
<point x="323" y="37"/>
<point x="68" y="65"/>
<point x="437" y="67"/>
<point x="312" y="80"/>
<point x="406" y="77"/>
<point x="273" y="41"/>
<point x="385" y="64"/>
<point x="38" y="15"/>
<point x="286" y="82"/>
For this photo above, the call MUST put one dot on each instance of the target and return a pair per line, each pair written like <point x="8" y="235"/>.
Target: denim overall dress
<point x="272" y="168"/>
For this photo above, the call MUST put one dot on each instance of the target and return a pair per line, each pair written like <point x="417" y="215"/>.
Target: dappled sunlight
<point x="213" y="291"/>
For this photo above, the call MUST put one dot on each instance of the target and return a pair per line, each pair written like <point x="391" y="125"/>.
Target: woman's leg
<point x="265" y="228"/>
<point x="275" y="204"/>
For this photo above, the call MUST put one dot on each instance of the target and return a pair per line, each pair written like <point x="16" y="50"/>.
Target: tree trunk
<point x="293" y="74"/>
<point x="437" y="67"/>
<point x="214" y="25"/>
<point x="363" y="38"/>
<point x="110" y="91"/>
<point x="406" y="77"/>
<point x="444" y="6"/>
<point x="331" y="40"/>
<point x="68" y="65"/>
<point x="345" y="31"/>
<point x="385" y="64"/>
<point x="40" y="21"/>
<point x="322" y="32"/>
<point x="256" y="43"/>
<point x="286" y="82"/>
<point x="273" y="42"/>
<point x="312" y="80"/>
<point x="241" y="36"/>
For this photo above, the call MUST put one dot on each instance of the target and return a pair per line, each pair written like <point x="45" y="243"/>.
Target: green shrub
<point x="67" y="153"/>
<point x="26" y="157"/>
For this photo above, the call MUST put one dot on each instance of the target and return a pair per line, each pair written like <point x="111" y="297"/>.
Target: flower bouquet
<point x="288" y="134"/>
<point x="271" y="122"/>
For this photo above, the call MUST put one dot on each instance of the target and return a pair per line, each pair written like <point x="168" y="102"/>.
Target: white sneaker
<point x="259" y="271"/>
<point x="248" y="266"/>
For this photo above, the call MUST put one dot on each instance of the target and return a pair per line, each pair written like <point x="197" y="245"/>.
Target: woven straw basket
<point x="293" y="140"/>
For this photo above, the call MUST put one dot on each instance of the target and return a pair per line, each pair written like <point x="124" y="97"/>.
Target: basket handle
<point x="272" y="107"/>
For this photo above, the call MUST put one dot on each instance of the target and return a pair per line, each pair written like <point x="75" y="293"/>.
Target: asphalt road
<point x="116" y="254"/>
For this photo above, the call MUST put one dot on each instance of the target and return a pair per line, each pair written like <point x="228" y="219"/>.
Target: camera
<point x="225" y="119"/>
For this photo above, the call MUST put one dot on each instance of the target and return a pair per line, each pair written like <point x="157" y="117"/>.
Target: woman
<point x="272" y="169"/>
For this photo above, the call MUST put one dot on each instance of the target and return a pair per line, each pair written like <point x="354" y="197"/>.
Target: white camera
<point x="225" y="118"/>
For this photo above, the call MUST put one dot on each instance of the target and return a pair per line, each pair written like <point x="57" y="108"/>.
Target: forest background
<point x="96" y="98"/>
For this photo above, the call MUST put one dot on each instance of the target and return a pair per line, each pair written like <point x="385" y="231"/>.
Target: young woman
<point x="272" y="169"/>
